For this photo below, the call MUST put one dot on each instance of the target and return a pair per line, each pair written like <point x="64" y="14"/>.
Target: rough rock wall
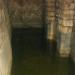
<point x="5" y="45"/>
<point x="25" y="13"/>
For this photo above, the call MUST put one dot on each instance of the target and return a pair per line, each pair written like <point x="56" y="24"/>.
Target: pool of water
<point x="29" y="58"/>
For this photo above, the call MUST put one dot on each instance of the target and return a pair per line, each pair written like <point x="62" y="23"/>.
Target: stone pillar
<point x="65" y="23"/>
<point x="51" y="28"/>
<point x="5" y="44"/>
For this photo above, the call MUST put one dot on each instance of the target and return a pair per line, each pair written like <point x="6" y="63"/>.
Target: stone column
<point x="5" y="44"/>
<point x="51" y="28"/>
<point x="65" y="23"/>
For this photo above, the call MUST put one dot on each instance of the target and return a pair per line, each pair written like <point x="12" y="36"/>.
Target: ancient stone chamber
<point x="37" y="37"/>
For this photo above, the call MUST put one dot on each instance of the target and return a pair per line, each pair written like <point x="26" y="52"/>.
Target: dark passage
<point x="31" y="55"/>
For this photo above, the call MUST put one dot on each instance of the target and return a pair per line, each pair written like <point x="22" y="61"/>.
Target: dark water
<point x="31" y="56"/>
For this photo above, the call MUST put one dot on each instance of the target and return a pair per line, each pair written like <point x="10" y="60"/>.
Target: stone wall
<point x="5" y="38"/>
<point x="26" y="13"/>
<point x="59" y="19"/>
